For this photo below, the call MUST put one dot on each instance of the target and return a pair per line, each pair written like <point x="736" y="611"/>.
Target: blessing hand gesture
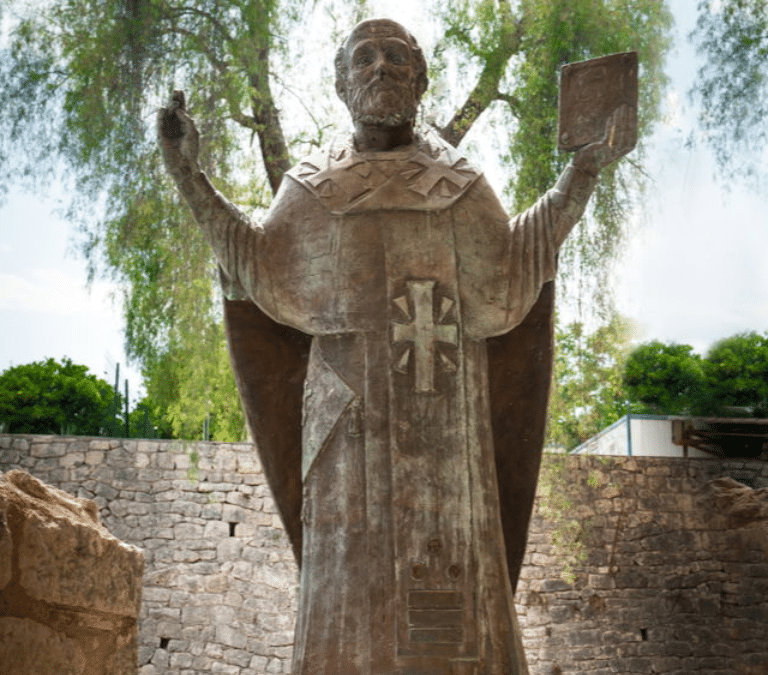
<point x="177" y="135"/>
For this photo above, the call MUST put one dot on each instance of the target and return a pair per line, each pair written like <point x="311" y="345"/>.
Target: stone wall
<point x="69" y="591"/>
<point x="220" y="581"/>
<point x="673" y="581"/>
<point x="675" y="574"/>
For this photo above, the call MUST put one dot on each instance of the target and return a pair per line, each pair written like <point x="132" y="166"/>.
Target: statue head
<point x="381" y="73"/>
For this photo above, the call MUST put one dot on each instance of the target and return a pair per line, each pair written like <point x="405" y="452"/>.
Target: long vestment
<point x="400" y="265"/>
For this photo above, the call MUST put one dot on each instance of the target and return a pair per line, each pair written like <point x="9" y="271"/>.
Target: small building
<point x="670" y="436"/>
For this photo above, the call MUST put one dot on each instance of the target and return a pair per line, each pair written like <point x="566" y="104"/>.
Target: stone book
<point x="590" y="91"/>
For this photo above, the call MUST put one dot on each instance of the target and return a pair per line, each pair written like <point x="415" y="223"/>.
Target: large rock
<point x="69" y="591"/>
<point x="30" y="648"/>
<point x="741" y="502"/>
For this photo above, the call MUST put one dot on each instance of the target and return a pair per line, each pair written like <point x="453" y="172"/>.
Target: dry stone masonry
<point x="69" y="591"/>
<point x="673" y="578"/>
<point x="675" y="575"/>
<point x="219" y="587"/>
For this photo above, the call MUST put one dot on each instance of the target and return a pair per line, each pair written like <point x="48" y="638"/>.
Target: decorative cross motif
<point x="424" y="333"/>
<point x="424" y="182"/>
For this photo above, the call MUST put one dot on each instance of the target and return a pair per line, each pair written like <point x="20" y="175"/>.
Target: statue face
<point x="381" y="80"/>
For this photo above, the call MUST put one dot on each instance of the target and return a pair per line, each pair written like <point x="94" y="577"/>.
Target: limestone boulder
<point x="6" y="547"/>
<point x="69" y="591"/>
<point x="30" y="648"/>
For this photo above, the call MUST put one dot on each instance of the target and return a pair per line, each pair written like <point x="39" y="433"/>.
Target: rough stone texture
<point x="69" y="591"/>
<point x="675" y="578"/>
<point x="220" y="582"/>
<point x="30" y="648"/>
<point x="675" y="582"/>
<point x="6" y="547"/>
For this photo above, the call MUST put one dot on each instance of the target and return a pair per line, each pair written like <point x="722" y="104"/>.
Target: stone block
<point x="6" y="547"/>
<point x="225" y="460"/>
<point x="48" y="450"/>
<point x="94" y="457"/>
<point x="181" y="660"/>
<point x="236" y="514"/>
<point x="211" y="511"/>
<point x="72" y="459"/>
<point x="258" y="663"/>
<point x="237" y="657"/>
<point x="160" y="659"/>
<point x="165" y="460"/>
<point x="30" y="648"/>
<point x="66" y="557"/>
<point x="9" y="458"/>
<point x="186" y="508"/>
<point x="188" y="531"/>
<point x="218" y="584"/>
<point x="275" y="666"/>
<point x="156" y="594"/>
<point x="229" y="550"/>
<point x="216" y="529"/>
<point x="231" y="637"/>
<point x="249" y="464"/>
<point x="74" y="588"/>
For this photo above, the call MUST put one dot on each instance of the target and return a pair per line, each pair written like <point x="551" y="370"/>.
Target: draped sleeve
<point x="537" y="235"/>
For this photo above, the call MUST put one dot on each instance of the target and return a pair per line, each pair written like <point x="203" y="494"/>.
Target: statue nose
<point x="381" y="66"/>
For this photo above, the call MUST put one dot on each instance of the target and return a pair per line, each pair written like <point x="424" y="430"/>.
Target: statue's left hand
<point x="619" y="139"/>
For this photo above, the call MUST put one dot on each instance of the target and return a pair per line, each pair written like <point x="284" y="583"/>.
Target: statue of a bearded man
<point x="393" y="254"/>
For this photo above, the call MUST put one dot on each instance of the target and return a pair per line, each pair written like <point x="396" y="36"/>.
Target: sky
<point x="695" y="271"/>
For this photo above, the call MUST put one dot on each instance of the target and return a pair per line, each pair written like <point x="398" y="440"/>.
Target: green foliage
<point x="736" y="373"/>
<point x="732" y="85"/>
<point x="731" y="380"/>
<point x="148" y="420"/>
<point x="50" y="397"/>
<point x="513" y="52"/>
<point x="108" y="66"/>
<point x="557" y="32"/>
<point x="558" y="494"/>
<point x="82" y="80"/>
<point x="185" y="409"/>
<point x="587" y="390"/>
<point x="663" y="379"/>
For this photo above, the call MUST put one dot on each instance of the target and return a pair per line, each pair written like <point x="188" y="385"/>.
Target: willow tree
<point x="732" y="84"/>
<point x="81" y="80"/>
<point x="589" y="369"/>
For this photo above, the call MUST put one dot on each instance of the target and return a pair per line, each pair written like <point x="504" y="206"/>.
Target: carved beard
<point x="387" y="105"/>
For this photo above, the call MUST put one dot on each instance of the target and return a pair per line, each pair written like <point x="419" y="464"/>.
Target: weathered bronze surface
<point x="590" y="92"/>
<point x="393" y="348"/>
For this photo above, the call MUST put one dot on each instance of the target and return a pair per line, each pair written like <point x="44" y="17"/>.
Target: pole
<point x="127" y="420"/>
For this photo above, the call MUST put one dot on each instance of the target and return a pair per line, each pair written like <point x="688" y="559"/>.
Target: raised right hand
<point x="177" y="135"/>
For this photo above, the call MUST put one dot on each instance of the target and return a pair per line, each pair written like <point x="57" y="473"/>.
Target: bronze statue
<point x="359" y="316"/>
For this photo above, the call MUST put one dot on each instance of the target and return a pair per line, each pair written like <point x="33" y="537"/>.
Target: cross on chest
<point x="424" y="333"/>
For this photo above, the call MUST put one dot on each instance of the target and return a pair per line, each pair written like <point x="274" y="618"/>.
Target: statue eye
<point x="363" y="60"/>
<point x="396" y="58"/>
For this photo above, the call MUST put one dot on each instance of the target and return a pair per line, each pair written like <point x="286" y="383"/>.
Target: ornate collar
<point x="428" y="175"/>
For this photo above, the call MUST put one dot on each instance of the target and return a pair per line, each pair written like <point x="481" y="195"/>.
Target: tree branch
<point x="274" y="149"/>
<point x="512" y="101"/>
<point x="181" y="11"/>
<point x="487" y="88"/>
<point x="201" y="44"/>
